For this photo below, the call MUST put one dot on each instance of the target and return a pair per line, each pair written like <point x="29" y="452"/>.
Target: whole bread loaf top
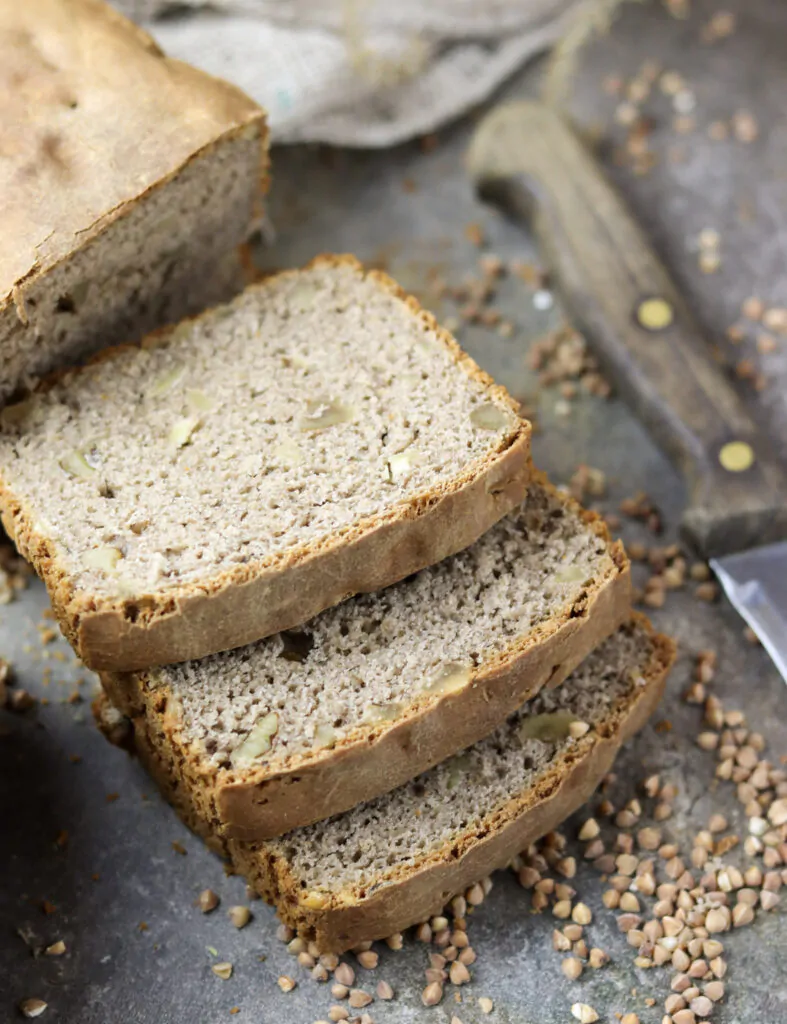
<point x="92" y="115"/>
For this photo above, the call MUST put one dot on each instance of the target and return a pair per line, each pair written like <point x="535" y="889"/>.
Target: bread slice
<point x="235" y="475"/>
<point x="127" y="182"/>
<point x="362" y="698"/>
<point x="397" y="860"/>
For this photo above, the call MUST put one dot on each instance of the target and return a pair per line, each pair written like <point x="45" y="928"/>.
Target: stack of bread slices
<point x="367" y="650"/>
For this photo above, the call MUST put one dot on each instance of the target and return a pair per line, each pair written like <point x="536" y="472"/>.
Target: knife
<point x="525" y="157"/>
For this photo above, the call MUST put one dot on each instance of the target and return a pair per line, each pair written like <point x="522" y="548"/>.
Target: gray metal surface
<point x="139" y="951"/>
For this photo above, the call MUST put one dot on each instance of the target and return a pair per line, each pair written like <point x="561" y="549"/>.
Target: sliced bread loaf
<point x="235" y="475"/>
<point x="127" y="182"/>
<point x="308" y="723"/>
<point x="397" y="860"/>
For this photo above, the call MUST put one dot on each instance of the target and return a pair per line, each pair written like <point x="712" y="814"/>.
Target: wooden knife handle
<point x="621" y="296"/>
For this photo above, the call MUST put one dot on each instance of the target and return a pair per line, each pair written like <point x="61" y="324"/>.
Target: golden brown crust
<point x="413" y="894"/>
<point x="76" y="166"/>
<point x="112" y="724"/>
<point x="261" y="802"/>
<point x="255" y="600"/>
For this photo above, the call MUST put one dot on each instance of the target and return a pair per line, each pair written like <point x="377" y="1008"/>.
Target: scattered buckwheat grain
<point x="432" y="994"/>
<point x="240" y="916"/>
<point x="207" y="900"/>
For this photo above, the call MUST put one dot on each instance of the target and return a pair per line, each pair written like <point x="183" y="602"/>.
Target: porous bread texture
<point x="385" y="685"/>
<point x="464" y="817"/>
<point x="127" y="182"/>
<point x="357" y="849"/>
<point x="293" y="403"/>
<point x="380" y="652"/>
<point x="394" y="861"/>
<point x="237" y="474"/>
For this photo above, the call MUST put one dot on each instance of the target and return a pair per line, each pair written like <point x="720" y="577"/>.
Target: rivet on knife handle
<point x="618" y="292"/>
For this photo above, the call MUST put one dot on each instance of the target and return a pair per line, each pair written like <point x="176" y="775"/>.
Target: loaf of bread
<point x="397" y="860"/>
<point x="127" y="183"/>
<point x="355" y="702"/>
<point x="233" y="476"/>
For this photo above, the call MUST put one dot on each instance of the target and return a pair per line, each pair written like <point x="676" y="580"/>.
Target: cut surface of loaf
<point x="127" y="182"/>
<point x="308" y="723"/>
<point x="397" y="860"/>
<point x="235" y="475"/>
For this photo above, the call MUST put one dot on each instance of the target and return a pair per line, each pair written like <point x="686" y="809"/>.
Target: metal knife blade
<point x="756" y="583"/>
<point x="525" y="157"/>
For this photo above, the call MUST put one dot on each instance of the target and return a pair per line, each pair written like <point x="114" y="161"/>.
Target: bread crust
<point x="251" y="601"/>
<point x="413" y="895"/>
<point x="264" y="801"/>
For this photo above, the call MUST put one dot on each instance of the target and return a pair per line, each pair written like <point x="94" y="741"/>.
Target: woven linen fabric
<point x="366" y="73"/>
